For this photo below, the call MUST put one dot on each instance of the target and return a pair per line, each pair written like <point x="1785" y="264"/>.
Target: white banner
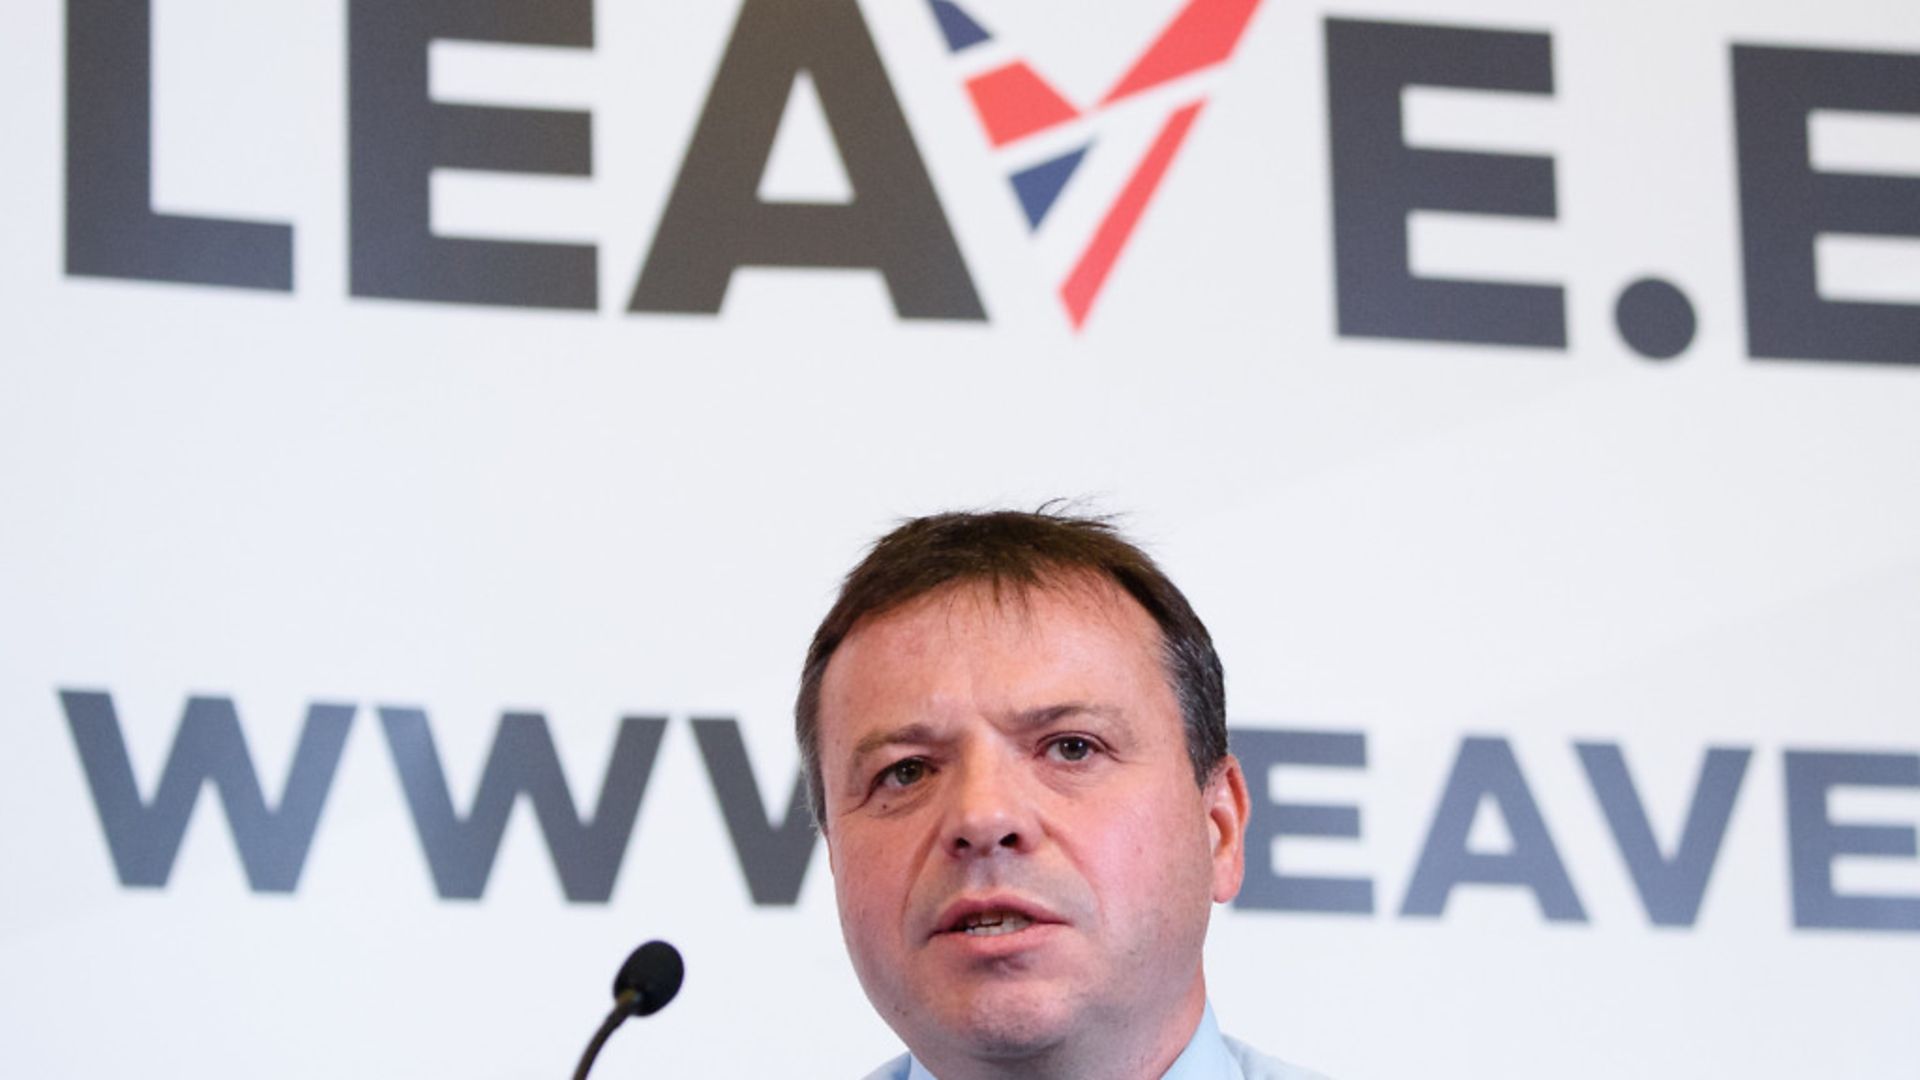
<point x="430" y="433"/>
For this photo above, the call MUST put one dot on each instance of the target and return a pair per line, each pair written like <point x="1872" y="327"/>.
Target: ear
<point x="1227" y="810"/>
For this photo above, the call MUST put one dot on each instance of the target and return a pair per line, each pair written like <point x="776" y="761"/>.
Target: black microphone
<point x="647" y="981"/>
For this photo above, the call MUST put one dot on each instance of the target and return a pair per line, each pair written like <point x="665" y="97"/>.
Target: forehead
<point x="972" y="649"/>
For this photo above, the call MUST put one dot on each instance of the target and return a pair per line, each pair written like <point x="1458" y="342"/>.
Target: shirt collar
<point x="1205" y="1058"/>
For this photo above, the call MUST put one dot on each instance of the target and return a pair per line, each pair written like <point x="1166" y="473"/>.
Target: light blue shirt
<point x="1209" y="1056"/>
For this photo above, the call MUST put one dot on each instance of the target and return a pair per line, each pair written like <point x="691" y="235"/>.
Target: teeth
<point x="990" y="923"/>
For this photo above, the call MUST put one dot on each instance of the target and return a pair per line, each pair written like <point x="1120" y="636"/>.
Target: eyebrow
<point x="1030" y="719"/>
<point x="1022" y="721"/>
<point x="906" y="733"/>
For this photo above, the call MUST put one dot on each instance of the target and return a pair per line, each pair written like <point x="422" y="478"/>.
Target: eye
<point x="1071" y="748"/>
<point x="903" y="773"/>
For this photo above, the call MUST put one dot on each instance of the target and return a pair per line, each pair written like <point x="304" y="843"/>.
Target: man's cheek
<point x="866" y="908"/>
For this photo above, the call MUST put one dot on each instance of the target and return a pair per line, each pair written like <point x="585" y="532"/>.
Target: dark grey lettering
<point x="1266" y="887"/>
<point x="1670" y="888"/>
<point x="1377" y="179"/>
<point x="397" y="137"/>
<point x="1815" y="840"/>
<point x="773" y="858"/>
<point x="460" y="851"/>
<point x="210" y="746"/>
<point x="715" y="222"/>
<point x="1785" y="204"/>
<point x="112" y="230"/>
<point x="1486" y="768"/>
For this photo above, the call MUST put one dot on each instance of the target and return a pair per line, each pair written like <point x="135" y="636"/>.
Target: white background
<point x="297" y="497"/>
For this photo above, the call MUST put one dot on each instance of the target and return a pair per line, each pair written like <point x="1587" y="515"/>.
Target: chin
<point x="1009" y="1022"/>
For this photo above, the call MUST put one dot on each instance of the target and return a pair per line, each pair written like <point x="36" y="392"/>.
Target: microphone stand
<point x="622" y="1008"/>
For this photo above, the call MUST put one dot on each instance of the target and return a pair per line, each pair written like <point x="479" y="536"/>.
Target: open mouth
<point x="990" y="916"/>
<point x="991" y="923"/>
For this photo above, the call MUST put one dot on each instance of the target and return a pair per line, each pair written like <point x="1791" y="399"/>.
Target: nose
<point x="989" y="811"/>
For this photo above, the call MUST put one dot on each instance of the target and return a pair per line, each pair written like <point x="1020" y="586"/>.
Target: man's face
<point x="1019" y="849"/>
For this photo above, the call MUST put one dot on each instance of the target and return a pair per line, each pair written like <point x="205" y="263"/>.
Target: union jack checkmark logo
<point x="1085" y="173"/>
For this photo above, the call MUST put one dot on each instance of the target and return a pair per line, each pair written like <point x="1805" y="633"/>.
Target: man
<point x="1014" y="731"/>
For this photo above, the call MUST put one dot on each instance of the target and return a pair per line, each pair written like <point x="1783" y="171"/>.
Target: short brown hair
<point x="1025" y="551"/>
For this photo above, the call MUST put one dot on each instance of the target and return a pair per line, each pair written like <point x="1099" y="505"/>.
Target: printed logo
<point x="1085" y="173"/>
